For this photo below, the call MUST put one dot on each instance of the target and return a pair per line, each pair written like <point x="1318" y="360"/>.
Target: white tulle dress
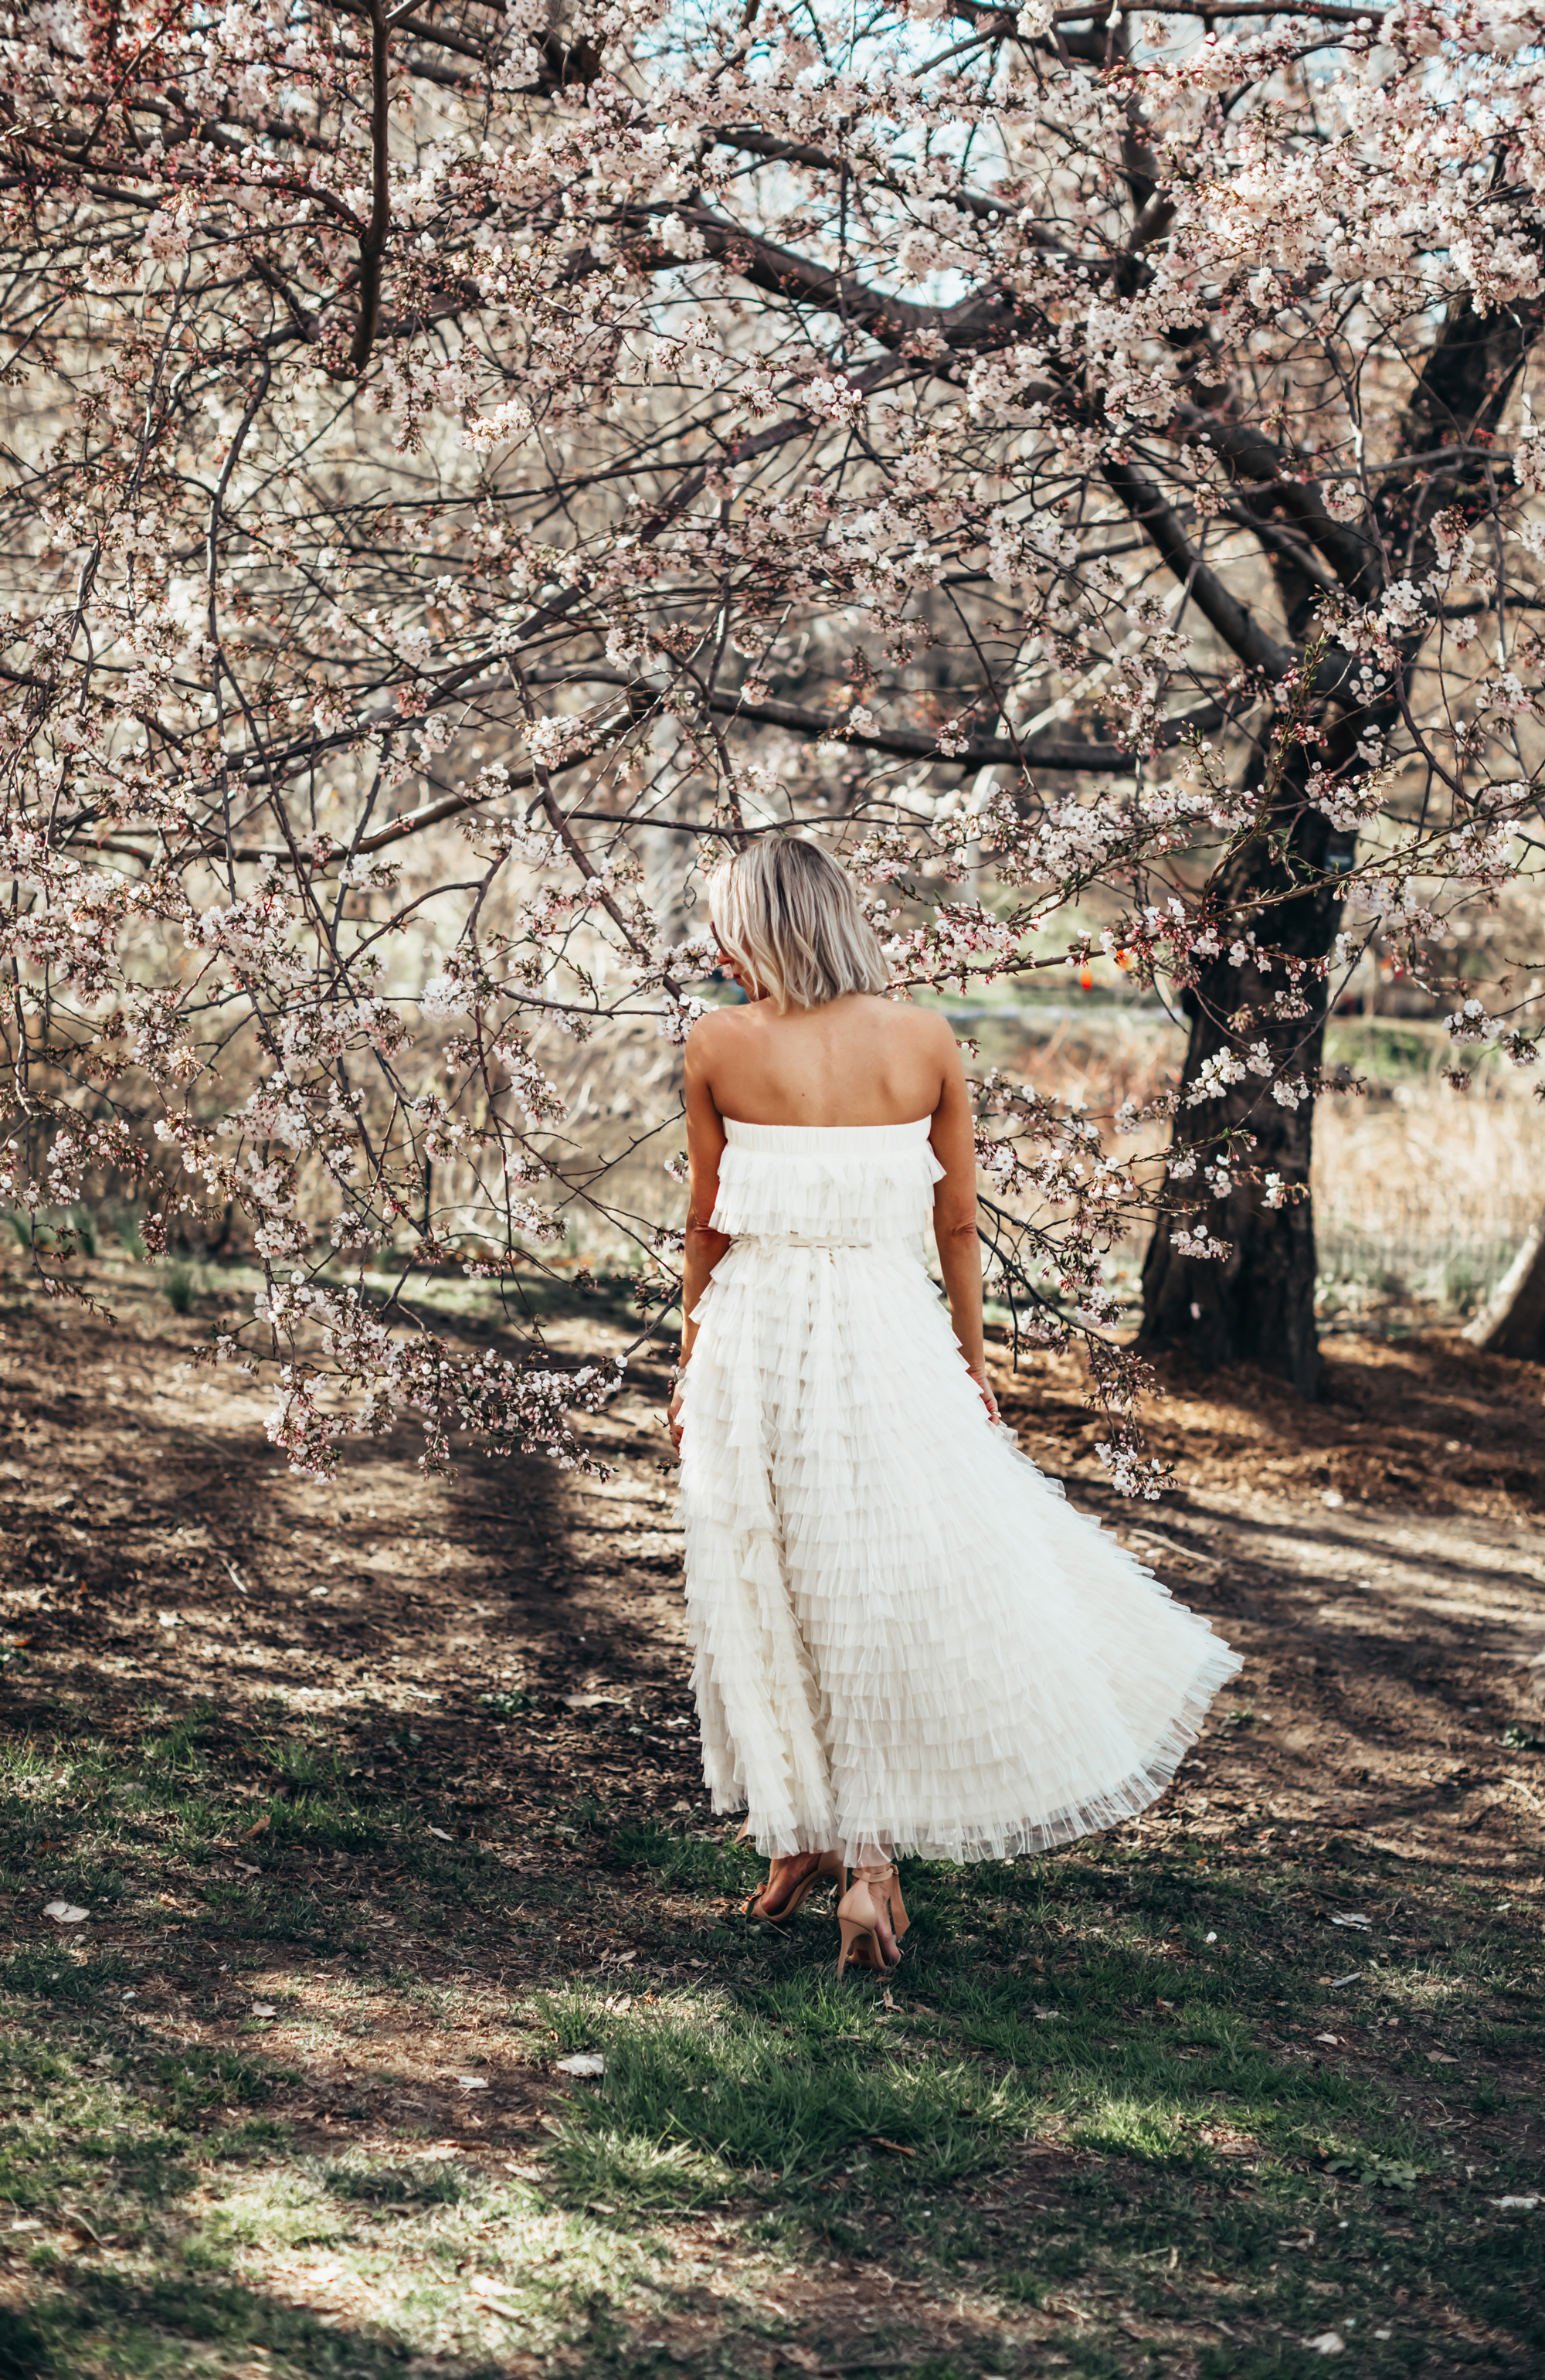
<point x="904" y="1636"/>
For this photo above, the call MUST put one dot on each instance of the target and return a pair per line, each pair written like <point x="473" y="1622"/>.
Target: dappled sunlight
<point x="300" y="2070"/>
<point x="439" y="2263"/>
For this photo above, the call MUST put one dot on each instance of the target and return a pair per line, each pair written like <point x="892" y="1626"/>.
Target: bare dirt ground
<point x="1377" y="1557"/>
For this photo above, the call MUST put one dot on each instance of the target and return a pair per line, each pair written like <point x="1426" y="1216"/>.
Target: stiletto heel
<point x="828" y="1869"/>
<point x="869" y="1903"/>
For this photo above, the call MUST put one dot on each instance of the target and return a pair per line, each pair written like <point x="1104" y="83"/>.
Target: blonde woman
<point x="905" y="1640"/>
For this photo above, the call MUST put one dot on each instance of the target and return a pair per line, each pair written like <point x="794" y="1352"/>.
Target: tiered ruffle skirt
<point x="904" y="1636"/>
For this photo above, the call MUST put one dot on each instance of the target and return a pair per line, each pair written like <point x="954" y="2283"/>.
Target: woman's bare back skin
<point x="860" y="1060"/>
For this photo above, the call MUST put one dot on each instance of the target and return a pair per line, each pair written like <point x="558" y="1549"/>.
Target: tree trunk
<point x="1256" y="1304"/>
<point x="1512" y="1321"/>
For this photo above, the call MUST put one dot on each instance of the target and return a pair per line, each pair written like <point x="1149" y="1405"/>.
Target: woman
<point x="905" y="1640"/>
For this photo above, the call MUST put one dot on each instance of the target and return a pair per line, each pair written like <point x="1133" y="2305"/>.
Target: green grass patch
<point x="678" y="1860"/>
<point x="786" y="2105"/>
<point x="1111" y="2088"/>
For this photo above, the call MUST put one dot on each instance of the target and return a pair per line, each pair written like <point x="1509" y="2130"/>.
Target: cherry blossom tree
<point x="468" y="467"/>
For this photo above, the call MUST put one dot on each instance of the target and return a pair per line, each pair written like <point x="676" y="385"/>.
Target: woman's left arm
<point x="704" y="1148"/>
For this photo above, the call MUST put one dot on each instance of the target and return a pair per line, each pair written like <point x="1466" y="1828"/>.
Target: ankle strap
<point x="875" y="1874"/>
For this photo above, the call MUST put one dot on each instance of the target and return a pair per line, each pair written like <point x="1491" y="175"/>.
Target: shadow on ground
<point x="382" y="1802"/>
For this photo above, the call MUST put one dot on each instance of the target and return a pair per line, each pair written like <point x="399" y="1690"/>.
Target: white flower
<point x="445" y="995"/>
<point x="677" y="1018"/>
<point x="1195" y="1240"/>
<point x="1217" y="1074"/>
<point x="507" y="425"/>
<point x="1343" y="500"/>
<point x="166" y="237"/>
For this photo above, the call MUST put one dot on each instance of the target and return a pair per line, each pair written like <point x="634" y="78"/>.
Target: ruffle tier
<point x="866" y="1183"/>
<point x="902" y="1633"/>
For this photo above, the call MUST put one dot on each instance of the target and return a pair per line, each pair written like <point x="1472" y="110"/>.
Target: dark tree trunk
<point x="1256" y="1304"/>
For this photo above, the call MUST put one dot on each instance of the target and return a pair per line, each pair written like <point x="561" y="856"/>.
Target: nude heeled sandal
<point x="875" y="1894"/>
<point x="828" y="1869"/>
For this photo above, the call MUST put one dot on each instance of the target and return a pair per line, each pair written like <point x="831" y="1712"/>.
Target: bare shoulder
<point x="923" y="1028"/>
<point x="716" y="1031"/>
<point x="717" y="1025"/>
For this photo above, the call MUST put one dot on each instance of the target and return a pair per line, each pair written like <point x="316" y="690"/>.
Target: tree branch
<point x="417" y="29"/>
<point x="902" y="743"/>
<point x="1234" y="621"/>
<point x="372" y="246"/>
<point x="1260" y="469"/>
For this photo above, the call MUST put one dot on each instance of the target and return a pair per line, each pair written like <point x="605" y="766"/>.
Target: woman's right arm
<point x="953" y="1138"/>
<point x="705" y="1148"/>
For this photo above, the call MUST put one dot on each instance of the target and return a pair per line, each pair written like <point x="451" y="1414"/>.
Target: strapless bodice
<point x="836" y="1185"/>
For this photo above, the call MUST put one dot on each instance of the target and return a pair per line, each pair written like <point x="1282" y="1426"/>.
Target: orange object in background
<point x="1086" y="980"/>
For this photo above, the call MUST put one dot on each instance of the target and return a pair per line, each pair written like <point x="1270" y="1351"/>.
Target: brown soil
<point x="152" y="1542"/>
<point x="1377" y="1557"/>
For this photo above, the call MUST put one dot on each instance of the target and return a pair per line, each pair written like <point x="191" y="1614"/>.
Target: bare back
<point x="854" y="1060"/>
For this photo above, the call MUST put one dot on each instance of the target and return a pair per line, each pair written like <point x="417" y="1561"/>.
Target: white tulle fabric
<point x="904" y="1636"/>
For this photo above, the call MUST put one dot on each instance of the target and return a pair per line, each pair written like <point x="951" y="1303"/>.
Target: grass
<point x="182" y="1287"/>
<point x="602" y="1287"/>
<point x="1397" y="1235"/>
<point x="1391" y="1221"/>
<point x="1093" y="2114"/>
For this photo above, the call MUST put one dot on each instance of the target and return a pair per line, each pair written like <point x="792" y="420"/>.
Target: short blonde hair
<point x="790" y="916"/>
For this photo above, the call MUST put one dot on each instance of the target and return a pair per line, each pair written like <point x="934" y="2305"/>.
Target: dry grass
<point x="1422" y="1193"/>
<point x="1422" y="1189"/>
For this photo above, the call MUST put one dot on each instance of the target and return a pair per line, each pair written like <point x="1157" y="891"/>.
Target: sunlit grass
<point x="749" y="2093"/>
